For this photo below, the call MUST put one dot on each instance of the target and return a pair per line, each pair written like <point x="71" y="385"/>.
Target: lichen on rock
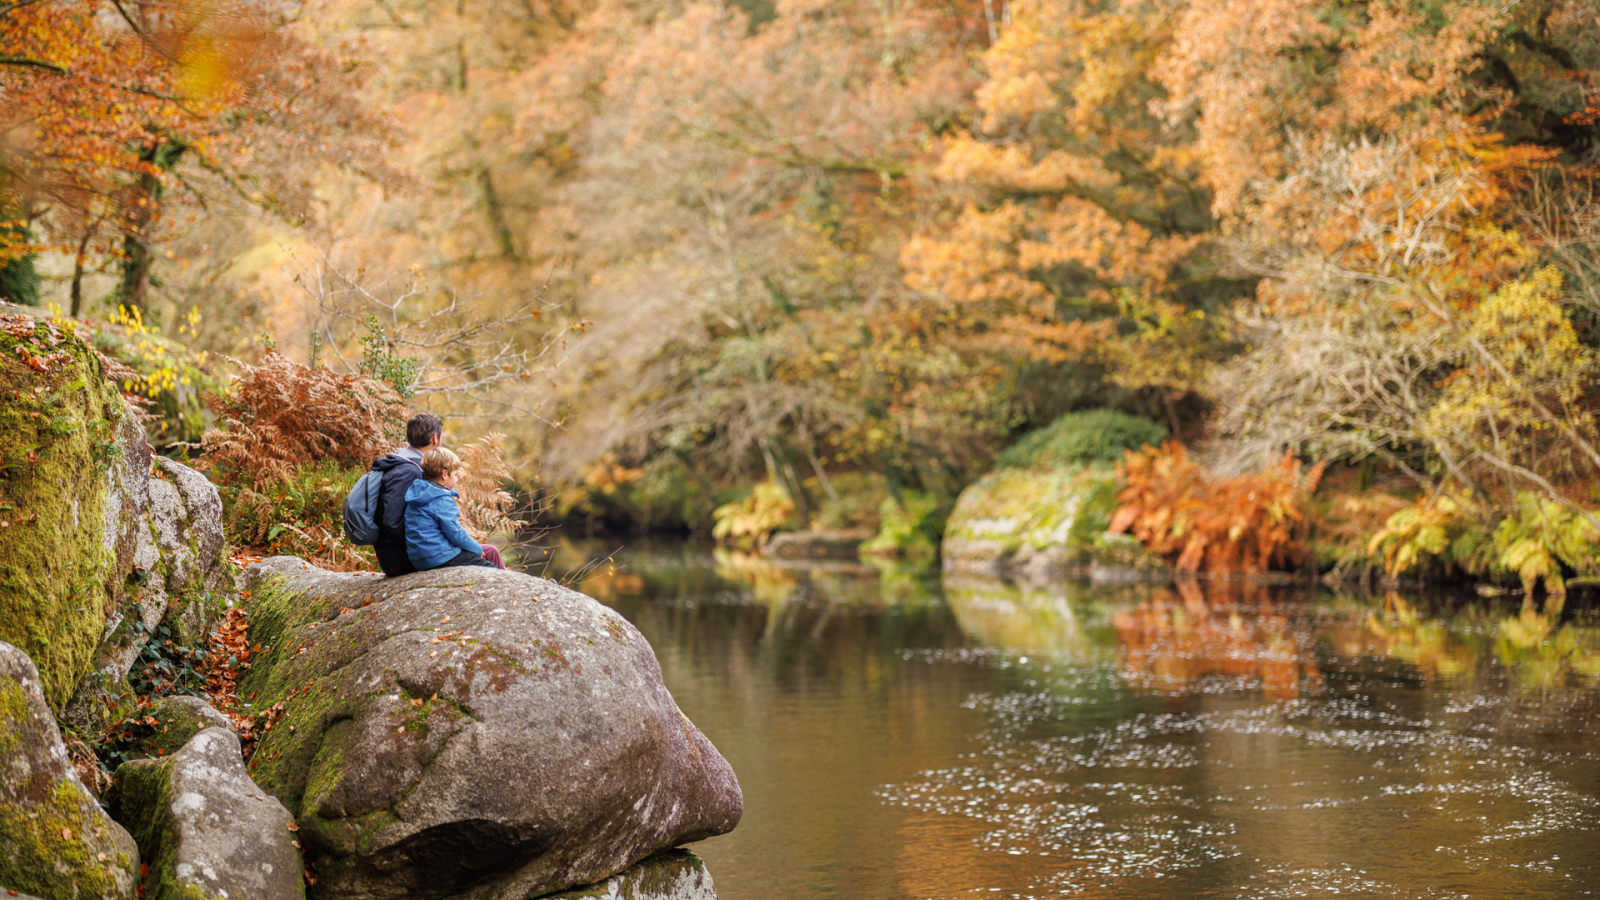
<point x="207" y="831"/>
<point x="55" y="841"/>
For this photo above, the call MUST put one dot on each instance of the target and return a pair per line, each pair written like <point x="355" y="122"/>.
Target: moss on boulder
<point x="55" y="841"/>
<point x="73" y="474"/>
<point x="405" y="701"/>
<point x="1043" y="524"/>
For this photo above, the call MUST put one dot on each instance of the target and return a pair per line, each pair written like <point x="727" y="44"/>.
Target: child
<point x="434" y="536"/>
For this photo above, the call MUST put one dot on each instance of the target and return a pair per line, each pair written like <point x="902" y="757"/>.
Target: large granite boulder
<point x="186" y="559"/>
<point x="470" y="733"/>
<point x="207" y="831"/>
<point x="74" y="475"/>
<point x="55" y="841"/>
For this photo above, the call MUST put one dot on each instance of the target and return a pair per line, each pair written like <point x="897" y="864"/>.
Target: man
<point x="400" y="468"/>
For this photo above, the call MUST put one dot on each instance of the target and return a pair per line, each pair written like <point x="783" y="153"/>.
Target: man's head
<point x="423" y="431"/>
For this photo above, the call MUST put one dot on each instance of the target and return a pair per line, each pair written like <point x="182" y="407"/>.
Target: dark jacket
<point x="399" y="469"/>
<point x="434" y="535"/>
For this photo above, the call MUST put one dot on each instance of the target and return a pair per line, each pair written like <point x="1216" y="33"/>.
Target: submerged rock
<point x="470" y="733"/>
<point x="818" y="545"/>
<point x="674" y="875"/>
<point x="55" y="841"/>
<point x="206" y="829"/>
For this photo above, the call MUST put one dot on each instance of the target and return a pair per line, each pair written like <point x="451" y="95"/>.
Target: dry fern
<point x="486" y="508"/>
<point x="281" y="415"/>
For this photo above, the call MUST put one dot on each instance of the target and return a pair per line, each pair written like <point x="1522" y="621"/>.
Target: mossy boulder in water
<point x="55" y="841"/>
<point x="1044" y="510"/>
<point x="1025" y="520"/>
<point x="470" y="733"/>
<point x="74" y="472"/>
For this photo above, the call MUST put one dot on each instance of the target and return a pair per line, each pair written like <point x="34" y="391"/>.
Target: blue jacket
<point x="434" y="535"/>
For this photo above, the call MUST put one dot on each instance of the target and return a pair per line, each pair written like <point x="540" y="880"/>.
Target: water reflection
<point x="1180" y="636"/>
<point x="897" y="737"/>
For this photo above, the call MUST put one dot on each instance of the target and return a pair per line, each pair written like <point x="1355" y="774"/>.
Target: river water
<point x="900" y="737"/>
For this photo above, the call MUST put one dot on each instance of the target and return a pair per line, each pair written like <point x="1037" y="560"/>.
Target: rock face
<point x="179" y="719"/>
<point x="73" y="487"/>
<point x="181" y="548"/>
<point x="54" y="839"/>
<point x="674" y="875"/>
<point x="207" y="830"/>
<point x="470" y="733"/>
<point x="1042" y="524"/>
<point x="179" y="575"/>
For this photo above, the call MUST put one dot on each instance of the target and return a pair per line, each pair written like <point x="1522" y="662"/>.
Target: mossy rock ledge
<point x="1043" y="524"/>
<point x="473" y="734"/>
<point x="74" y="485"/>
<point x="55" y="841"/>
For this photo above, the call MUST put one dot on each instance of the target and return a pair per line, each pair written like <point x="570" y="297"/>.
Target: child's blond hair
<point x="437" y="461"/>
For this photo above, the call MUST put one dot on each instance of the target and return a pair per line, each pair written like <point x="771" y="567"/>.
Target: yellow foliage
<point x="1435" y="527"/>
<point x="753" y="519"/>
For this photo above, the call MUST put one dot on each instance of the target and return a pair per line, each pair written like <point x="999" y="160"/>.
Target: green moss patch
<point x="1079" y="438"/>
<point x="1014" y="509"/>
<point x="60" y="417"/>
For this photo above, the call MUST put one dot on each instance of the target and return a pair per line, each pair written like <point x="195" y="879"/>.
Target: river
<point x="898" y="737"/>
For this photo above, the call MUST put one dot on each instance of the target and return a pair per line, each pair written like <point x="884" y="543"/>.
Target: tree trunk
<point x="146" y="205"/>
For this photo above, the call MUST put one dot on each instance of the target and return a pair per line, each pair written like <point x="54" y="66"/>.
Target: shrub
<point x="1090" y="436"/>
<point x="1441" y="530"/>
<point x="1248" y="523"/>
<point x="281" y="415"/>
<point x="752" y="520"/>
<point x="910" y="527"/>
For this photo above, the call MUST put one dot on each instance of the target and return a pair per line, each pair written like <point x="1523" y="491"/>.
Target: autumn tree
<point x="117" y="111"/>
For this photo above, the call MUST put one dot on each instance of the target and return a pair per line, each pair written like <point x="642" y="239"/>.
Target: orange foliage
<point x="1248" y="523"/>
<point x="103" y="100"/>
<point x="281" y="415"/>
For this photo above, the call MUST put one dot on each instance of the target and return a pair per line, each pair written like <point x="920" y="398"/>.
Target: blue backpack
<point x="361" y="510"/>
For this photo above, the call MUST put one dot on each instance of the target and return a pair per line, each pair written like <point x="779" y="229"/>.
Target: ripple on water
<point x="1160" y="794"/>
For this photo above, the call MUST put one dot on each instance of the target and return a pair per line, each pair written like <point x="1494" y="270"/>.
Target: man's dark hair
<point x="421" y="429"/>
